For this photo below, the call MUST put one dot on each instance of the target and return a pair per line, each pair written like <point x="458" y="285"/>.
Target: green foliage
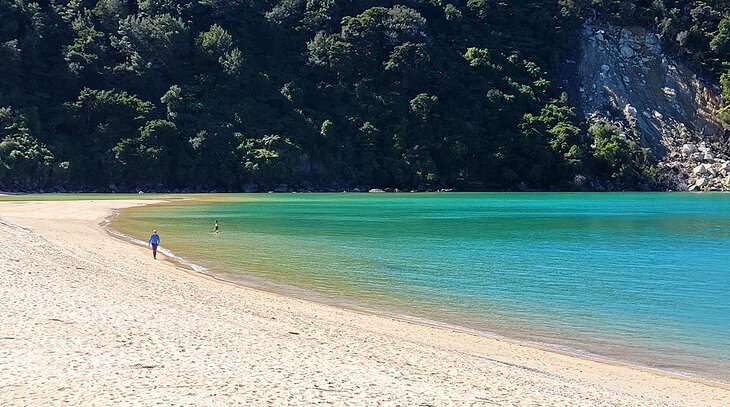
<point x="148" y="49"/>
<point x="101" y="120"/>
<point x="422" y="104"/>
<point x="215" y="42"/>
<point x="720" y="43"/>
<point x="273" y="159"/>
<point x="724" y="113"/>
<point x="150" y="156"/>
<point x="618" y="158"/>
<point x="477" y="56"/>
<point x="218" y="45"/>
<point x="220" y="93"/>
<point x="408" y="58"/>
<point x="613" y="153"/>
<point x="724" y="116"/>
<point x="87" y="48"/>
<point x="725" y="83"/>
<point x="22" y="157"/>
<point x="554" y="145"/>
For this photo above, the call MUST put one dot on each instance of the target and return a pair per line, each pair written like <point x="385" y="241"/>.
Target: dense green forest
<point x="317" y="94"/>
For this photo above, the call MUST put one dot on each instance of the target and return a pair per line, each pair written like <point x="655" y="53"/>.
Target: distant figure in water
<point x="216" y="228"/>
<point x="154" y="241"/>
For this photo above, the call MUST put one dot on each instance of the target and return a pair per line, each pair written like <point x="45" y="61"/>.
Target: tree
<point x="273" y="159"/>
<point x="101" y="119"/>
<point x="88" y="49"/>
<point x="22" y="157"/>
<point x="422" y="105"/>
<point x="152" y="156"/>
<point x="724" y="112"/>
<point x="720" y="43"/>
<point x="613" y="153"/>
<point x="215" y="93"/>
<point x="150" y="48"/>
<point x="218" y="45"/>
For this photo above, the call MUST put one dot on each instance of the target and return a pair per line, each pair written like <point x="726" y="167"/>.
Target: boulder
<point x="626" y="51"/>
<point x="689" y="149"/>
<point x="702" y="182"/>
<point x="376" y="190"/>
<point x="652" y="42"/>
<point x="700" y="169"/>
<point x="605" y="68"/>
<point x="630" y="112"/>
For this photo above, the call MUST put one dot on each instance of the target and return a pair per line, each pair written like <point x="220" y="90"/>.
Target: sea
<point x="637" y="278"/>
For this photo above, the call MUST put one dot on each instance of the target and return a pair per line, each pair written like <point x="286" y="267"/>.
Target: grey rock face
<point x="621" y="76"/>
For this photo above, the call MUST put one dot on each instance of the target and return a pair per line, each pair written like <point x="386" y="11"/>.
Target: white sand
<point x="88" y="319"/>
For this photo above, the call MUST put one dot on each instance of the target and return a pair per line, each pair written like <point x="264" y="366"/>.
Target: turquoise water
<point x="638" y="277"/>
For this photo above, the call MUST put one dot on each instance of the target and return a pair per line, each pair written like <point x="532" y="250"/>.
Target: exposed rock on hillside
<point x="623" y="77"/>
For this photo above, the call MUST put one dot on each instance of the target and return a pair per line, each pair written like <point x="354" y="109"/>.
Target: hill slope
<point x="321" y="94"/>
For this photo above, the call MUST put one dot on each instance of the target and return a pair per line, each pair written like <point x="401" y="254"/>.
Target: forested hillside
<point x="318" y="94"/>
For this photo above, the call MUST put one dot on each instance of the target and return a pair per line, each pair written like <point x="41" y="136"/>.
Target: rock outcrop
<point x="622" y="76"/>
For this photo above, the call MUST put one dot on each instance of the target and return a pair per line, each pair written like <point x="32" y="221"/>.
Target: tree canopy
<point x="219" y="94"/>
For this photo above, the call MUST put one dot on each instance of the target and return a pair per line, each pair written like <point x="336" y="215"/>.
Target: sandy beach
<point x="87" y="319"/>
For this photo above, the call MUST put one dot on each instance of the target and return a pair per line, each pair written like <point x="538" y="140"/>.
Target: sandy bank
<point x="88" y="319"/>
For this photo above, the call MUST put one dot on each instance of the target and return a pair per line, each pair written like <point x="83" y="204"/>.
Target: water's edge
<point x="289" y="291"/>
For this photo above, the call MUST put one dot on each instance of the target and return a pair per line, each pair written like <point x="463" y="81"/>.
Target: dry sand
<point x="87" y="319"/>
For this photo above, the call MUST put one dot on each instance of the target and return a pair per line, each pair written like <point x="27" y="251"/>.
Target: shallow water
<point x="639" y="277"/>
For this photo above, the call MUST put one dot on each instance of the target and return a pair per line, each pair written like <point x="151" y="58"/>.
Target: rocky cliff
<point x="622" y="76"/>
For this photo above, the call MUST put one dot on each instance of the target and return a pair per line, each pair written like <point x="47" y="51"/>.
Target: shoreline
<point x="189" y="266"/>
<point x="505" y="352"/>
<point x="288" y="291"/>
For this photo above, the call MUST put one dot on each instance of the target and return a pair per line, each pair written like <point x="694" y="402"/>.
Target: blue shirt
<point x="155" y="238"/>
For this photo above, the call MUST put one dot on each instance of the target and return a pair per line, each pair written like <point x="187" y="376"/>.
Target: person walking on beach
<point x="154" y="241"/>
<point x="216" y="229"/>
